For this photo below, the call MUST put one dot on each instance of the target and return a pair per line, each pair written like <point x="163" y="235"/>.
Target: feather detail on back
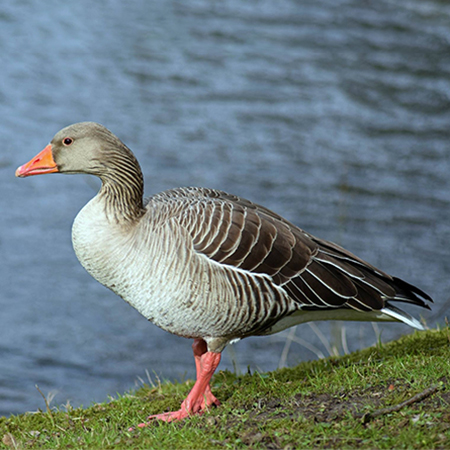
<point x="314" y="273"/>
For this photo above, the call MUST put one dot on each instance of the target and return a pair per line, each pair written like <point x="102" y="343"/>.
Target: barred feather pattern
<point x="278" y="268"/>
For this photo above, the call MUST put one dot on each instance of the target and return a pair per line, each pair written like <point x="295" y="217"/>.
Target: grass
<point x="329" y="403"/>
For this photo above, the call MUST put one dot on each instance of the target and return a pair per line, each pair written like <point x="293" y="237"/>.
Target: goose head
<point x="90" y="148"/>
<point x="85" y="147"/>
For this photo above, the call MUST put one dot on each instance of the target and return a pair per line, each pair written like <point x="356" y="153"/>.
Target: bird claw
<point x="168" y="416"/>
<point x="173" y="416"/>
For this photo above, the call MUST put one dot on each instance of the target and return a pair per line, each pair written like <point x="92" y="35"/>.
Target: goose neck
<point x="122" y="192"/>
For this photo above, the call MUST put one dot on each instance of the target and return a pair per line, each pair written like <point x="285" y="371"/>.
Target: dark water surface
<point x="335" y="114"/>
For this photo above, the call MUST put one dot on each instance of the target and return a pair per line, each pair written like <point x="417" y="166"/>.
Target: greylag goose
<point x="207" y="265"/>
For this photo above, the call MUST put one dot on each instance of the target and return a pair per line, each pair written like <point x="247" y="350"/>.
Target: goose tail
<point x="402" y="316"/>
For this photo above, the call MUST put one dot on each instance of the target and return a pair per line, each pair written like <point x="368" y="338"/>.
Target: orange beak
<point x="41" y="163"/>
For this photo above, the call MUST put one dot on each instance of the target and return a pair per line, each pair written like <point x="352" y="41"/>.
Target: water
<point x="333" y="113"/>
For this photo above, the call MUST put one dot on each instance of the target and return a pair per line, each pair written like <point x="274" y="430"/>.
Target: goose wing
<point x="315" y="273"/>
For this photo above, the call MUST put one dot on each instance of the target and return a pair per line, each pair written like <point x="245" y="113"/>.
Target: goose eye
<point x="67" y="141"/>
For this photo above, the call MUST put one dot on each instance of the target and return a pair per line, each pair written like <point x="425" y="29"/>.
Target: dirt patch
<point x="326" y="408"/>
<point x="323" y="407"/>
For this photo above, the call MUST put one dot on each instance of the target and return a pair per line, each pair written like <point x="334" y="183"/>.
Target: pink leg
<point x="199" y="347"/>
<point x="200" y="398"/>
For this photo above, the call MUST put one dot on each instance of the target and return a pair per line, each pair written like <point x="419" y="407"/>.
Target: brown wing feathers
<point x="315" y="273"/>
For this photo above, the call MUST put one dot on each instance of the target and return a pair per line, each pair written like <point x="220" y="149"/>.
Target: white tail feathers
<point x="401" y="316"/>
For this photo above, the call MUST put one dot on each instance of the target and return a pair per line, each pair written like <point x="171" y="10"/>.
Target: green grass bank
<point x="394" y="395"/>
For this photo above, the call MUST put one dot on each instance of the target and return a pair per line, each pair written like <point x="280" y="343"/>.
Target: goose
<point x="207" y="265"/>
